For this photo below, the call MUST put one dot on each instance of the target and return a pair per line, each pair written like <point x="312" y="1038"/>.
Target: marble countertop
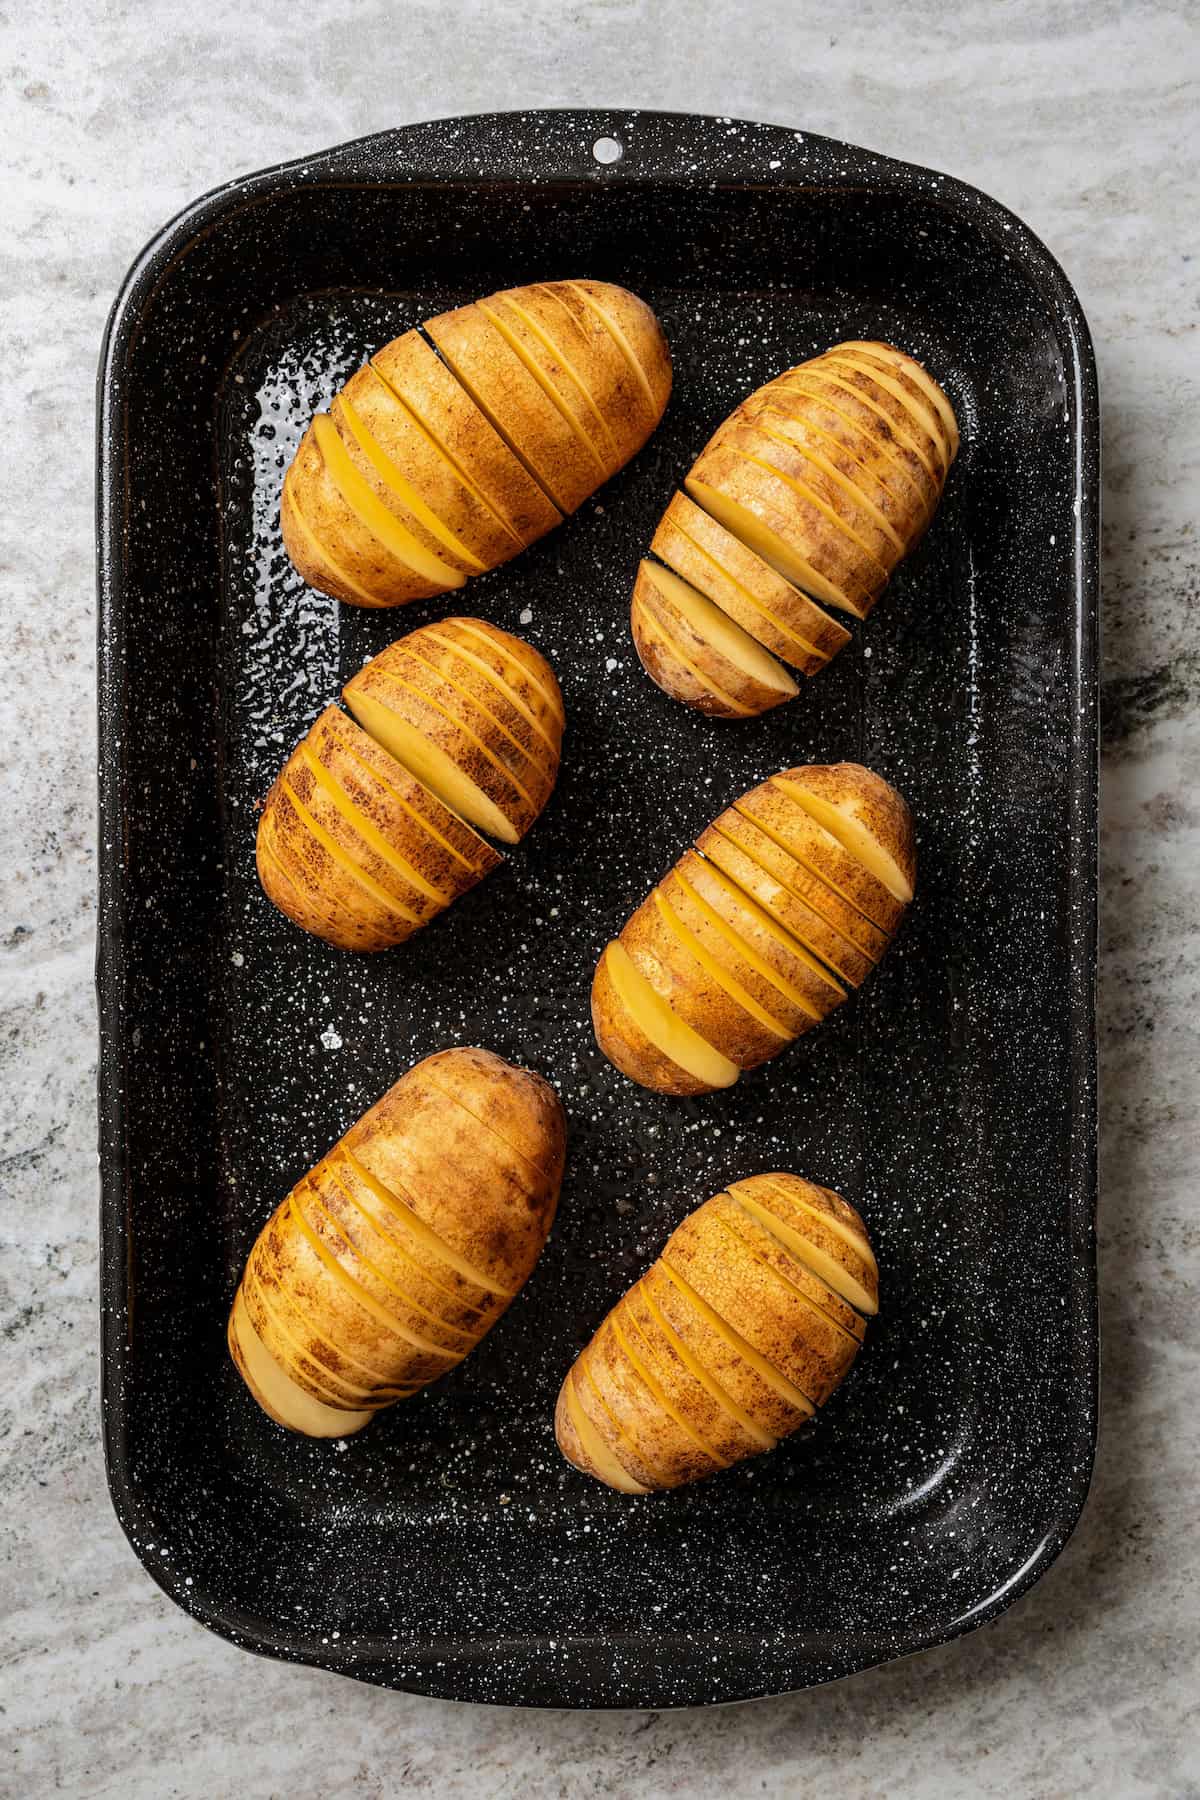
<point x="1080" y="118"/>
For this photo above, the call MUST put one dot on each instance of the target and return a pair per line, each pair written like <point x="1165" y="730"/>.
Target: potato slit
<point x="678" y="1041"/>
<point x="761" y="1364"/>
<point x="487" y="1126"/>
<point x="319" y="552"/>
<point x="419" y="819"/>
<point x="415" y="648"/>
<point x="368" y="830"/>
<point x="393" y="1242"/>
<point x="460" y="724"/>
<point x="723" y="979"/>
<point x="764" y="1231"/>
<point x="331" y="917"/>
<point x="744" y="523"/>
<point x="828" y="1272"/>
<point x="367" y="1301"/>
<point x="555" y="349"/>
<point x="370" y="511"/>
<point x="606" y="1464"/>
<point x="624" y="1437"/>
<point x="920" y="414"/>
<point x="799" y="385"/>
<point x="830" y="371"/>
<point x="920" y="377"/>
<point x="748" y="953"/>
<point x="394" y="479"/>
<point x="750" y="855"/>
<point x="497" y="682"/>
<point x="400" y="1293"/>
<point x="699" y="1373"/>
<point x="623" y="1334"/>
<point x="290" y="1303"/>
<point x="622" y="343"/>
<point x="813" y="499"/>
<point x="446" y="454"/>
<point x="843" y="831"/>
<point x="547" y="386"/>
<point x="282" y="1396"/>
<point x="394" y="1246"/>
<point x="820" y="461"/>
<point x="785" y="406"/>
<point x="385" y="900"/>
<point x="321" y="1390"/>
<point x="424" y="1234"/>
<point x="762" y="914"/>
<point x="809" y="650"/>
<point x="493" y="421"/>
<point x="553" y="699"/>
<point x="805" y="864"/>
<point x="857" y="1240"/>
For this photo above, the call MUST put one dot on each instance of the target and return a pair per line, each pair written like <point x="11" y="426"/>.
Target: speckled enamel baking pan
<point x="448" y="1549"/>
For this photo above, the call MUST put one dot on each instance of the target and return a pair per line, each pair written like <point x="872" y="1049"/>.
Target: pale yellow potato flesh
<point x="371" y="512"/>
<point x="393" y="485"/>
<point x="469" y="1152"/>
<point x="639" y="1033"/>
<point x="866" y="815"/>
<point x="431" y="764"/>
<point x="710" y="1357"/>
<point x="279" y="1396"/>
<point x="727" y="657"/>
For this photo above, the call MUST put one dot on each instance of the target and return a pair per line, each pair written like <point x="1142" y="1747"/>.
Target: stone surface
<point x="1082" y="119"/>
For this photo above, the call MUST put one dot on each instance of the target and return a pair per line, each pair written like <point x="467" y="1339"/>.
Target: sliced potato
<point x="728" y="1343"/>
<point x="781" y="812"/>
<point x="749" y="940"/>
<point x="695" y="652"/>
<point x="804" y="544"/>
<point x="333" y="1319"/>
<point x="821" y="1228"/>
<point x="754" y="837"/>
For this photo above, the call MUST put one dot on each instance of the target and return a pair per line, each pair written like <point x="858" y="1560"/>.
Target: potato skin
<point x="539" y="394"/>
<point x="466" y="1155"/>
<point x="843" y="459"/>
<point x="816" y="892"/>
<point x="688" y="1373"/>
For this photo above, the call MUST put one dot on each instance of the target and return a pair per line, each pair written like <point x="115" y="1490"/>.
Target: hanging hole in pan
<point x="608" y="150"/>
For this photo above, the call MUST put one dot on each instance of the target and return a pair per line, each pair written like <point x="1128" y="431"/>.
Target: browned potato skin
<point x="475" y="1149"/>
<point x="655" y="1417"/>
<point x="318" y="892"/>
<point x="816" y="884"/>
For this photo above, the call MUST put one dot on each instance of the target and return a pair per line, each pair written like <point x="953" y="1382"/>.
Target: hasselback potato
<point x="807" y="496"/>
<point x="373" y="828"/>
<point x="389" y="1261"/>
<point x="788" y="899"/>
<point x="460" y="444"/>
<point x="744" y="1326"/>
